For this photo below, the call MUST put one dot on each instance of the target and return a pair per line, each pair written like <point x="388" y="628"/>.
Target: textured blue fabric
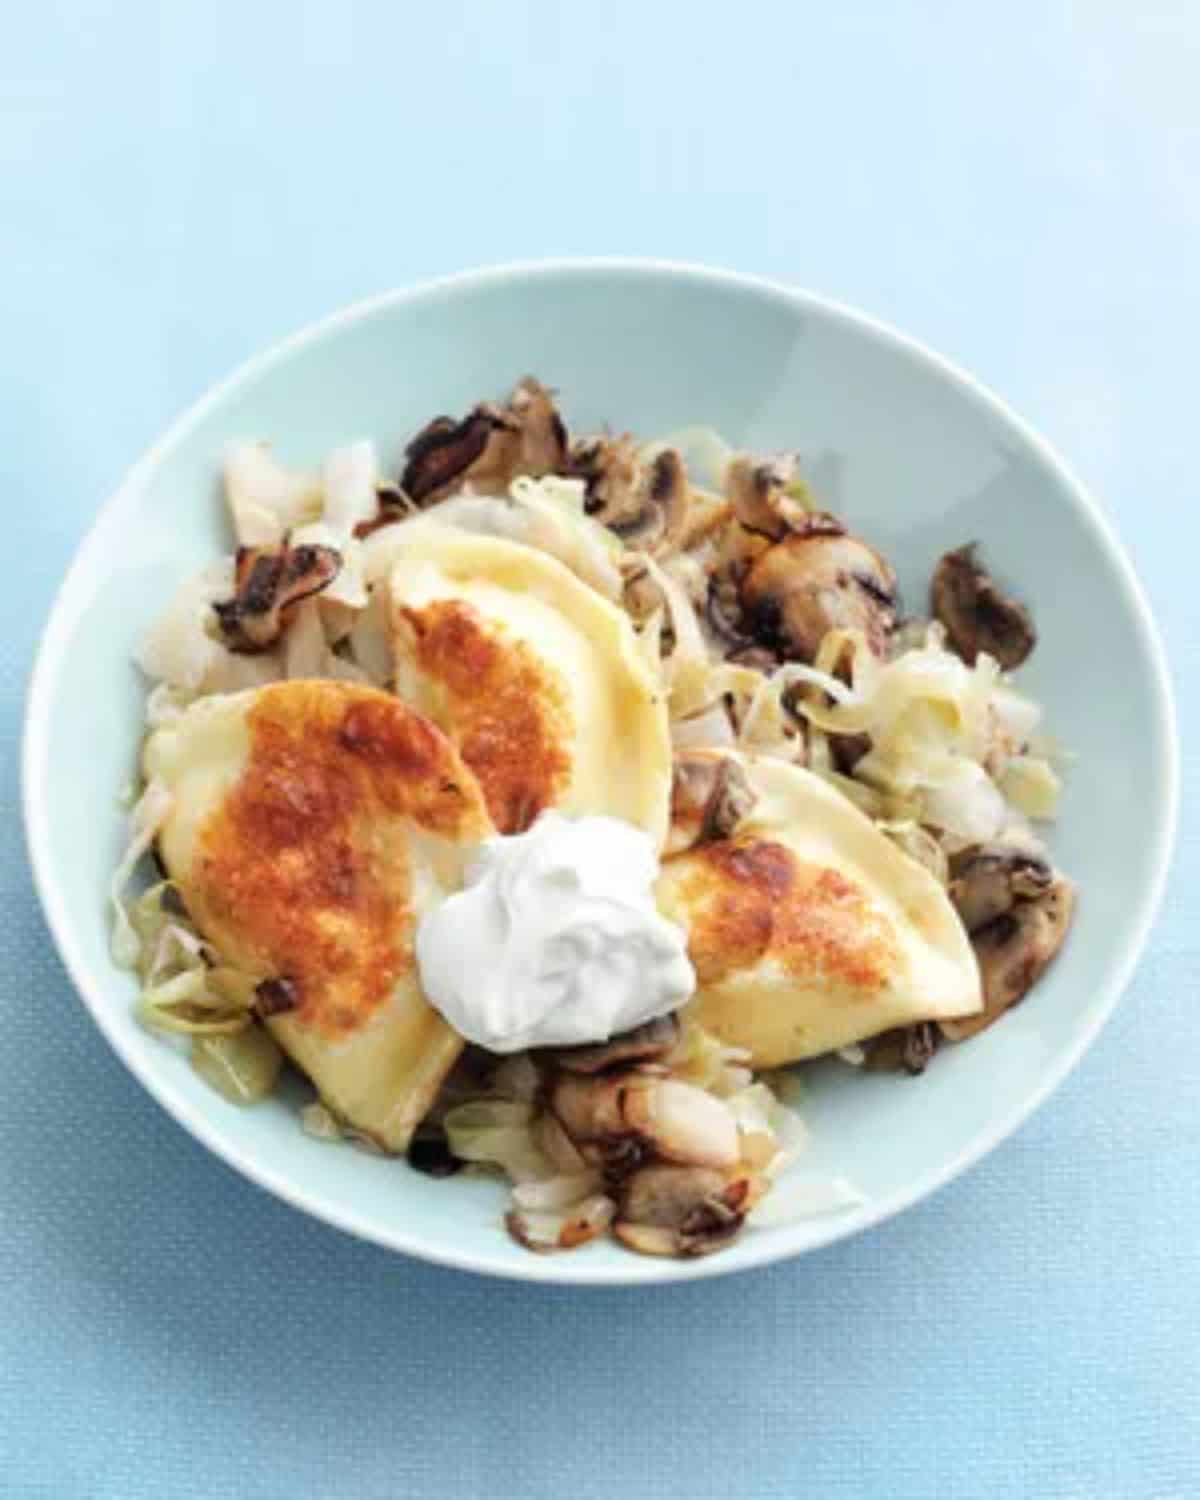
<point x="182" y="183"/>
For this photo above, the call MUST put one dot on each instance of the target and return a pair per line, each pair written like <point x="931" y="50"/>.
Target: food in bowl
<point x="546" y="806"/>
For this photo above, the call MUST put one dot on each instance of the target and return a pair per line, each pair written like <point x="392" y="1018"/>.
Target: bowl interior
<point x="914" y="456"/>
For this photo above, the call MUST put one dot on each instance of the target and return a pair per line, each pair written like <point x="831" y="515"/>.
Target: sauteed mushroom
<point x="977" y="615"/>
<point x="667" y="1118"/>
<point x="643" y="1044"/>
<point x="906" y="1048"/>
<point x="1013" y="950"/>
<point x="644" y="501"/>
<point x="814" y="582"/>
<point x="267" y="582"/>
<point x="670" y="1210"/>
<point x="487" y="448"/>
<point x="710" y="795"/>
<point x="758" y="492"/>
<point x="988" y="881"/>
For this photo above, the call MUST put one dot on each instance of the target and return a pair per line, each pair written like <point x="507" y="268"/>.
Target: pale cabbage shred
<point x="951" y="761"/>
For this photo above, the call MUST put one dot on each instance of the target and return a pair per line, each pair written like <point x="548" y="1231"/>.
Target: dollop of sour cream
<point x="555" y="939"/>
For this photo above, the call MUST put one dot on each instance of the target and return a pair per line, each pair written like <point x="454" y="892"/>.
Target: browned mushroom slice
<point x="267" y="582"/>
<point x="488" y="448"/>
<point x="543" y="433"/>
<point x="641" y="595"/>
<point x="688" y="1211"/>
<point x="847" y="750"/>
<point x="429" y="1151"/>
<point x="392" y="505"/>
<point x="809" y="584"/>
<point x="710" y="795"/>
<point x="659" y="1116"/>
<point x="274" y="997"/>
<point x="565" y="1230"/>
<point x="759" y="494"/>
<point x="977" y="615"/>
<point x="986" y="882"/>
<point x="906" y="1049"/>
<point x="723" y="612"/>
<point x="644" y="501"/>
<point x="1013" y="950"/>
<point x="643" y="1044"/>
<point x="442" y="456"/>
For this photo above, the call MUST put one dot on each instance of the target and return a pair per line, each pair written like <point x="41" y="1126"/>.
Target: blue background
<point x="181" y="184"/>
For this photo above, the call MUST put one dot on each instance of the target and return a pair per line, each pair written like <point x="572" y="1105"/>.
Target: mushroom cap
<point x="977" y="614"/>
<point x="1013" y="951"/>
<point x="268" y="581"/>
<point x="986" y="882"/>
<point x="644" y="501"/>
<point x="710" y="795"/>
<point x="809" y="584"/>
<point x="488" y="448"/>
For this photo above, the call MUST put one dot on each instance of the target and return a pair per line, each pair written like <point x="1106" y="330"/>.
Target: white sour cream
<point x="555" y="939"/>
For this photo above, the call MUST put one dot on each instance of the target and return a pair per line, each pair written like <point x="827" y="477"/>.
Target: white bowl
<point x="911" y="451"/>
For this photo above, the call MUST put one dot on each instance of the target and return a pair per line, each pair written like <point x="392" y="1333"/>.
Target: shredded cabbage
<point x="146" y="818"/>
<point x="919" y="844"/>
<point x="179" y="648"/>
<point x="318" y="1120"/>
<point x="686" y="670"/>
<point x="933" y="723"/>
<point x="164" y="705"/>
<point x="369" y="640"/>
<point x="544" y="513"/>
<point x="350" y="483"/>
<point x="244" y="1068"/>
<point x="709" y="729"/>
<point x="1032" y="785"/>
<point x="266" y="500"/>
<point x="700" y="1058"/>
<point x="349" y="587"/>
<point x="497" y="1132"/>
<point x="189" y="1005"/>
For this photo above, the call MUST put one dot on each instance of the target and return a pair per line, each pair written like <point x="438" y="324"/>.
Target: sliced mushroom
<point x="710" y="795"/>
<point x="658" y="1116"/>
<point x="392" y="504"/>
<point x="667" y="1210"/>
<point x="809" y="584"/>
<point x="268" y="582"/>
<point x="758" y="491"/>
<point x="723" y="612"/>
<point x="644" y="501"/>
<point x="906" y="1049"/>
<point x="986" y="882"/>
<point x="641" y="595"/>
<point x="544" y="447"/>
<point x="1013" y="950"/>
<point x="847" y="750"/>
<point x="977" y="614"/>
<point x="440" y="458"/>
<point x="275" y="997"/>
<point x="643" y="1044"/>
<point x="488" y="448"/>
<point x="562" y="1230"/>
<point x="429" y="1152"/>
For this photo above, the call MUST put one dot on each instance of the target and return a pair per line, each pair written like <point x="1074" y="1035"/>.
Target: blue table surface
<point x="181" y="184"/>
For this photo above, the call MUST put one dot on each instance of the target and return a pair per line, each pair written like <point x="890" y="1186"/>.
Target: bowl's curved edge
<point x="575" y="1270"/>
